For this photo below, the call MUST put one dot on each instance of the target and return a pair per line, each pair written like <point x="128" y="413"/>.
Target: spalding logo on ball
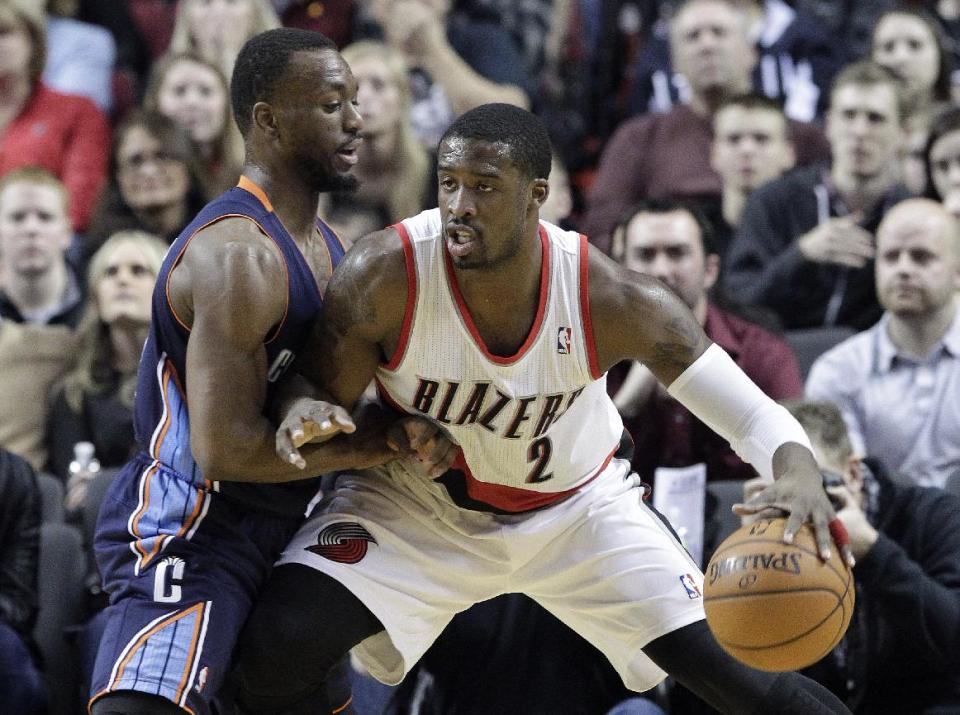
<point x="777" y="606"/>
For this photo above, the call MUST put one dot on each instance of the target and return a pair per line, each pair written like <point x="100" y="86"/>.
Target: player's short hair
<point x="869" y="73"/>
<point x="523" y="132"/>
<point x="618" y="244"/>
<point x="261" y="65"/>
<point x="37" y="176"/>
<point x="824" y="425"/>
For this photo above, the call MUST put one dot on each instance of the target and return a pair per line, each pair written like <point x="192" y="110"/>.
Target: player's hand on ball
<point x="800" y="495"/>
<point x="427" y="449"/>
<point x="308" y="420"/>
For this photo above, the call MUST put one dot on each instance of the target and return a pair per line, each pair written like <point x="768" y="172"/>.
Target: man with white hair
<point x="897" y="382"/>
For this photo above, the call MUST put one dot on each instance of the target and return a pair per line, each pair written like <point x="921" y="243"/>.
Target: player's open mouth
<point x="348" y="152"/>
<point x="460" y="240"/>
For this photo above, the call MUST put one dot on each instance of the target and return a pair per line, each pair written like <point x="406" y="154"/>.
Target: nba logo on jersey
<point x="690" y="586"/>
<point x="563" y="340"/>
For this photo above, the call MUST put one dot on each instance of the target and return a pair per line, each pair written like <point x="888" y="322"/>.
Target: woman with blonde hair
<point x="194" y="93"/>
<point x="217" y="29"/>
<point x="393" y="167"/>
<point x="93" y="403"/>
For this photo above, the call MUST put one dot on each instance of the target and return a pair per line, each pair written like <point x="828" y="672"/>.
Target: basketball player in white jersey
<point x="500" y="328"/>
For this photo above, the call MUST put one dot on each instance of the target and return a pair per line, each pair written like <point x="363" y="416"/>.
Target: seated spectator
<point x="897" y="382"/>
<point x="668" y="155"/>
<point x="153" y="184"/>
<point x="797" y="62"/>
<point x="23" y="687"/>
<point x="912" y="45"/>
<point x="672" y="243"/>
<point x="39" y="126"/>
<point x="899" y="653"/>
<point x="94" y="401"/>
<point x="751" y="146"/>
<point x="38" y="284"/>
<point x="80" y="55"/>
<point x="804" y="246"/>
<point x="393" y="167"/>
<point x="217" y="30"/>
<point x="459" y="62"/>
<point x="942" y="156"/>
<point x="194" y="93"/>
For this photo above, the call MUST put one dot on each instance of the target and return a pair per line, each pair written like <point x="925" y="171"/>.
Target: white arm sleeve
<point x="718" y="392"/>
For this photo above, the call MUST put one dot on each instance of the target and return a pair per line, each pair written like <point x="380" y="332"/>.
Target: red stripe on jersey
<point x="585" y="309"/>
<point x="464" y="310"/>
<point x="411" y="306"/>
<point x="514" y="499"/>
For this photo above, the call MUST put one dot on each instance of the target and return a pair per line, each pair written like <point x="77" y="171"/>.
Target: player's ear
<point x="540" y="190"/>
<point x="265" y="119"/>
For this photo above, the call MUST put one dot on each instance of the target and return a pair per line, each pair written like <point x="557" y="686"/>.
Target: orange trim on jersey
<point x="514" y="499"/>
<point x="146" y="636"/>
<point x="251" y="188"/>
<point x="585" y="318"/>
<point x="164" y="385"/>
<point x="192" y="654"/>
<point x="135" y="523"/>
<point x="411" y="306"/>
<point x="545" y="270"/>
<point x="344" y="706"/>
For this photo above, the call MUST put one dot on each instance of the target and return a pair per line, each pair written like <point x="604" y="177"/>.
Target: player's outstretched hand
<point x="308" y="420"/>
<point x="427" y="449"/>
<point x="799" y="493"/>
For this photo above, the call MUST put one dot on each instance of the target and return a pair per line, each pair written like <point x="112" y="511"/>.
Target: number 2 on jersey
<point x="539" y="452"/>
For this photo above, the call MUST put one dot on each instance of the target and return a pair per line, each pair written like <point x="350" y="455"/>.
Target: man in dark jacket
<point x="21" y="685"/>
<point x="900" y="652"/>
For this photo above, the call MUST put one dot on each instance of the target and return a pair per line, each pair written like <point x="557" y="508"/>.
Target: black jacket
<point x="19" y="542"/>
<point x="903" y="647"/>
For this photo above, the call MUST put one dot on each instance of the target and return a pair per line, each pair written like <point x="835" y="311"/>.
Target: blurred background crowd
<point x="791" y="169"/>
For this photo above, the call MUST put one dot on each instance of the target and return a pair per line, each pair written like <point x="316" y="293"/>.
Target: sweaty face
<point x="668" y="247"/>
<point x="750" y="146"/>
<point x="124" y="291"/>
<point x="34" y="228"/>
<point x="484" y="202"/>
<point x="381" y="102"/>
<point x="945" y="169"/>
<point x="149" y="177"/>
<point x="863" y="128"/>
<point x="710" y="48"/>
<point x="905" y="45"/>
<point x="318" y="119"/>
<point x="916" y="265"/>
<point x="193" y="96"/>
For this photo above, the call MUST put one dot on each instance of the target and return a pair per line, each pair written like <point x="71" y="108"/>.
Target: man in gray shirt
<point x="897" y="383"/>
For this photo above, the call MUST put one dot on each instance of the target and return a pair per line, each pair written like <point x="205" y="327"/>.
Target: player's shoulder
<point x="613" y="287"/>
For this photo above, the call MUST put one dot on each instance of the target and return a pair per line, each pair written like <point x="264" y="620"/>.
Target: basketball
<point x="776" y="606"/>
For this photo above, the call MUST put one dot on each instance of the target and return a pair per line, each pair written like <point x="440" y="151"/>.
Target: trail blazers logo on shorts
<point x="345" y="542"/>
<point x="564" y="336"/>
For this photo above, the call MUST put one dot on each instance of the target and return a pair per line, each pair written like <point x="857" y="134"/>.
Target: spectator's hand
<point x="307" y="420"/>
<point x="839" y="241"/>
<point x="862" y="535"/>
<point x="414" y="27"/>
<point x="77" y="487"/>
<point x="425" y="448"/>
<point x="639" y="387"/>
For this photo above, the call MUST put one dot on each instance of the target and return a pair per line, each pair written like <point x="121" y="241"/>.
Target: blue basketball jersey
<point x="161" y="420"/>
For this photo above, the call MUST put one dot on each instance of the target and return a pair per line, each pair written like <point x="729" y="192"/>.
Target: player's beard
<point x="324" y="179"/>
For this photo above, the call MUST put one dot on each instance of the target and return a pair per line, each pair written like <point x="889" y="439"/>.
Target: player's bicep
<point x="235" y="307"/>
<point x="363" y="310"/>
<point x="636" y="317"/>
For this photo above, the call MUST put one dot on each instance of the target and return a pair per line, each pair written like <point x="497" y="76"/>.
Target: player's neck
<point x="294" y="203"/>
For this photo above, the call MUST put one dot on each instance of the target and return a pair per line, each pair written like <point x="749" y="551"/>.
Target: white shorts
<point x="601" y="561"/>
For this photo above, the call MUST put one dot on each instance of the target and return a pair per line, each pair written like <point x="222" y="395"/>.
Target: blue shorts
<point x="182" y="565"/>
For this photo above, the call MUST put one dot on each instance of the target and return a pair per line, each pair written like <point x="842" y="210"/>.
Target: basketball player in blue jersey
<point x="192" y="526"/>
<point x="499" y="328"/>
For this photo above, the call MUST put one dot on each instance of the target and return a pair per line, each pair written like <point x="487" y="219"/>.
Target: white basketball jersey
<point x="533" y="426"/>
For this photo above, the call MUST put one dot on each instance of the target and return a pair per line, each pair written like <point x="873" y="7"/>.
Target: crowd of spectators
<point x="787" y="167"/>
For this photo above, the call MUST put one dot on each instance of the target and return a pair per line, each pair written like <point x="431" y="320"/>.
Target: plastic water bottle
<point x="84" y="459"/>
